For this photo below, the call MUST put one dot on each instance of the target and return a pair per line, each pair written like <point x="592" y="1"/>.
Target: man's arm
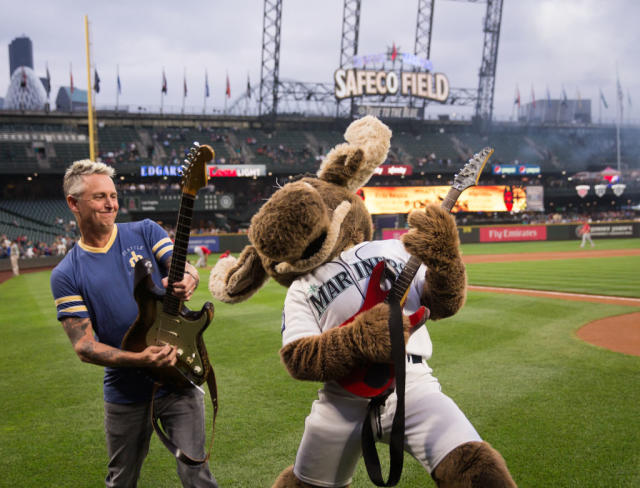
<point x="80" y="333"/>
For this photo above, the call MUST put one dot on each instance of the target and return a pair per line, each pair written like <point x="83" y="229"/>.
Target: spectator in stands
<point x="14" y="255"/>
<point x="96" y="319"/>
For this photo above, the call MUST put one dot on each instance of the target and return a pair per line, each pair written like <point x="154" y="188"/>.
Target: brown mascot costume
<point x="313" y="236"/>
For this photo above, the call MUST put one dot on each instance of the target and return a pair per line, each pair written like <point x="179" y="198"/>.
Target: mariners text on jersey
<point x="321" y="296"/>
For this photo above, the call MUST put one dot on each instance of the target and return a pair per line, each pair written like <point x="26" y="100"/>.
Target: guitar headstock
<point x="470" y="173"/>
<point x="194" y="169"/>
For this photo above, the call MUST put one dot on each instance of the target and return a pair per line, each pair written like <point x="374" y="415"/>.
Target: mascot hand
<point x="433" y="238"/>
<point x="234" y="280"/>
<point x="336" y="352"/>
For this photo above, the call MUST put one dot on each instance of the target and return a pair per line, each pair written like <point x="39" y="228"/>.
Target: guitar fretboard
<point x="403" y="282"/>
<point x="170" y="303"/>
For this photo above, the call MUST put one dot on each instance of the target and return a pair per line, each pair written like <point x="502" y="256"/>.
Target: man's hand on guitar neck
<point x="185" y="288"/>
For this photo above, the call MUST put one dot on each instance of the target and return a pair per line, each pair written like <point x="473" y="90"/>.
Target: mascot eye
<point x="314" y="246"/>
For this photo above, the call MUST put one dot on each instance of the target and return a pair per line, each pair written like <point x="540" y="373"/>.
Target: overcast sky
<point x="544" y="45"/>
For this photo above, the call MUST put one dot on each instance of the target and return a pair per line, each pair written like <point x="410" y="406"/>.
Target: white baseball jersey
<point x="334" y="292"/>
<point x="331" y="444"/>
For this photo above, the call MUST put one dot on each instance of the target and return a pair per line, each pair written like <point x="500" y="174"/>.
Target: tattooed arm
<point x="89" y="350"/>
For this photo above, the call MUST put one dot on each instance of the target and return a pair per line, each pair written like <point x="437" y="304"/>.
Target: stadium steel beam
<point x="487" y="75"/>
<point x="270" y="65"/>
<point x="424" y="24"/>
<point x="349" y="40"/>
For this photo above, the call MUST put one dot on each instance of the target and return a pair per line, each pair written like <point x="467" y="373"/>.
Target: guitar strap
<point x="169" y="444"/>
<point x="396" y="441"/>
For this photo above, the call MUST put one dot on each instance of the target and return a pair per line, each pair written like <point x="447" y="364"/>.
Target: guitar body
<point x="376" y="378"/>
<point x="154" y="326"/>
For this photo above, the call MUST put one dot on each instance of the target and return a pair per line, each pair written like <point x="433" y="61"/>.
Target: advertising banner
<point x="401" y="200"/>
<point x="212" y="243"/>
<point x="510" y="234"/>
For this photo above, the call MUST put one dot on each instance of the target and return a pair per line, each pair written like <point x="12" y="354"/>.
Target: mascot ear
<point x="234" y="280"/>
<point x="352" y="164"/>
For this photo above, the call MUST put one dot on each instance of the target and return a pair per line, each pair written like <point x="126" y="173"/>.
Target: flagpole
<point x="184" y="88"/>
<point x="204" y="98"/>
<point x="118" y="85"/>
<point x="619" y="118"/>
<point x="92" y="148"/>
<point x="162" y="92"/>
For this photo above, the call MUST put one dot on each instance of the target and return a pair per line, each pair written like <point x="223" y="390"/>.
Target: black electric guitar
<point x="162" y="317"/>
<point x="378" y="378"/>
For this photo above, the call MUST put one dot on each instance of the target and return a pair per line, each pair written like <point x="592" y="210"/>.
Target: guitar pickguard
<point x="185" y="335"/>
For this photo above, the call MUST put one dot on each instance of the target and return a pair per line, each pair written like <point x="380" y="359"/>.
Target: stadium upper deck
<point x="46" y="143"/>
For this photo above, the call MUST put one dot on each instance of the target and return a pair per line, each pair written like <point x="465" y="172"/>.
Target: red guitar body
<point x="376" y="378"/>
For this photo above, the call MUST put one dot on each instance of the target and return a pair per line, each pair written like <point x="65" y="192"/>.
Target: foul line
<point x="633" y="302"/>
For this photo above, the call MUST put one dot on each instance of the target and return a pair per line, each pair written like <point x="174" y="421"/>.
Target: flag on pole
<point x="248" y="87"/>
<point x="164" y="82"/>
<point x="620" y="96"/>
<point x="119" y="84"/>
<point x="23" y="81"/>
<point x="516" y="101"/>
<point x="71" y="79"/>
<point x="96" y="81"/>
<point x="228" y="90"/>
<point x="579" y="98"/>
<point x="206" y="84"/>
<point x="565" y="102"/>
<point x="48" y="87"/>
<point x="533" y="97"/>
<point x="184" y="79"/>
<point x="394" y="52"/>
<point x="603" y="100"/>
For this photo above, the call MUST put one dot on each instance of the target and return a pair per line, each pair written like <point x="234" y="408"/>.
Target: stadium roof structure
<point x="26" y="91"/>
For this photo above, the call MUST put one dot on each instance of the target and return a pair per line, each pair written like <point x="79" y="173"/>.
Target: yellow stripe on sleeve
<point x="161" y="243"/>
<point x="164" y="251"/>
<point x="79" y="308"/>
<point x="70" y="298"/>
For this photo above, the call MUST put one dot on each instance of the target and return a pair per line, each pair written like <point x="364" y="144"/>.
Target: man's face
<point x="97" y="207"/>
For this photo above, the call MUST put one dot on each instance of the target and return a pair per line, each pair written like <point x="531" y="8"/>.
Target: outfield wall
<point x="468" y="234"/>
<point x="542" y="232"/>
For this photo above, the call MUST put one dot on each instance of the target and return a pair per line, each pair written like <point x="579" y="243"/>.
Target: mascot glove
<point x="336" y="352"/>
<point x="433" y="238"/>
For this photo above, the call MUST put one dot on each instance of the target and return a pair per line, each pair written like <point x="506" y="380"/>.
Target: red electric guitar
<point x="377" y="378"/>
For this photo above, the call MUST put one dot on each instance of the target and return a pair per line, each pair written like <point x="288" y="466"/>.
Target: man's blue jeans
<point x="128" y="431"/>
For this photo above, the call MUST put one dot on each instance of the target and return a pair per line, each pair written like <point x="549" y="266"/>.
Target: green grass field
<point x="562" y="412"/>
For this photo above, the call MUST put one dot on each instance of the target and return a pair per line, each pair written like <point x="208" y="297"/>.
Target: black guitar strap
<point x="396" y="441"/>
<point x="169" y="444"/>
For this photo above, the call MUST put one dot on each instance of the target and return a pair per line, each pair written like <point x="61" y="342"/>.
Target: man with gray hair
<point x="93" y="291"/>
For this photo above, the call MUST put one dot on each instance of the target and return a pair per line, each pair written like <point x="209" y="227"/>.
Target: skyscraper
<point x="20" y="53"/>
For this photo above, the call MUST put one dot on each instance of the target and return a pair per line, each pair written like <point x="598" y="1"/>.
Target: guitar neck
<point x="170" y="303"/>
<point x="400" y="287"/>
